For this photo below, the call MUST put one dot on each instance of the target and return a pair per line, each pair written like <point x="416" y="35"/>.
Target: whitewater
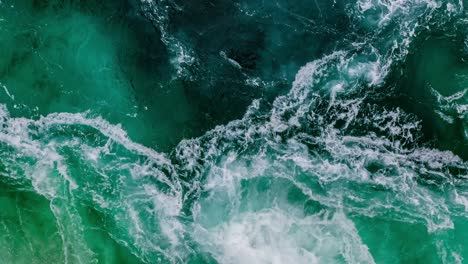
<point x="331" y="170"/>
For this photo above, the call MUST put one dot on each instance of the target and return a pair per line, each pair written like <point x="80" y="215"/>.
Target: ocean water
<point x="233" y="131"/>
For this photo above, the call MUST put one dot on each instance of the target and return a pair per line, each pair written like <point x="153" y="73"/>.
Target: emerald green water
<point x="220" y="131"/>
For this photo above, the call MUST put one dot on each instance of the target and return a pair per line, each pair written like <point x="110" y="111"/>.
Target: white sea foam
<point x="275" y="231"/>
<point x="12" y="97"/>
<point x="239" y="229"/>
<point x="397" y="172"/>
<point x="142" y="190"/>
<point x="126" y="177"/>
<point x="452" y="106"/>
<point x="275" y="236"/>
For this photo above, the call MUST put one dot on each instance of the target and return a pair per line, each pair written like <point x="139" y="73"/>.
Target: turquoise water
<point x="220" y="131"/>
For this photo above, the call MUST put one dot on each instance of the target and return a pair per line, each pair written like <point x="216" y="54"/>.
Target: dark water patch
<point x="433" y="86"/>
<point x="246" y="50"/>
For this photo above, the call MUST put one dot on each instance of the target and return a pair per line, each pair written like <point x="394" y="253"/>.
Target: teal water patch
<point x="233" y="132"/>
<point x="27" y="232"/>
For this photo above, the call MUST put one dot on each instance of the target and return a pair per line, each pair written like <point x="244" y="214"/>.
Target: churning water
<point x="233" y="131"/>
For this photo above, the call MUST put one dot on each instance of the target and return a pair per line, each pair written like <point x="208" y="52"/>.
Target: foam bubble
<point x="274" y="236"/>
